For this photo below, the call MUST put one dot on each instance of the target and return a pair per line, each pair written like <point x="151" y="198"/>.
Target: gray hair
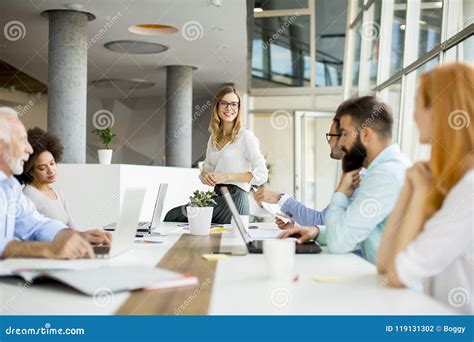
<point x="6" y="114"/>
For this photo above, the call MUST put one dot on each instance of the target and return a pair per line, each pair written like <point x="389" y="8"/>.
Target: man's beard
<point x="354" y="158"/>
<point x="16" y="166"/>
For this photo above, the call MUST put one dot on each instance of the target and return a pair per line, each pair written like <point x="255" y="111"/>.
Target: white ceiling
<point x="220" y="56"/>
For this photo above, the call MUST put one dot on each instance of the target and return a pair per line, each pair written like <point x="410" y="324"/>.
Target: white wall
<point x="278" y="144"/>
<point x="32" y="108"/>
<point x="94" y="192"/>
<point x="140" y="127"/>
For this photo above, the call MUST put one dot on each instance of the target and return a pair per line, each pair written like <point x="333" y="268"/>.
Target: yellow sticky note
<point x="328" y="279"/>
<point x="218" y="229"/>
<point x="214" y="257"/>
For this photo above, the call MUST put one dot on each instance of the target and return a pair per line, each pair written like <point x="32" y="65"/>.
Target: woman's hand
<point x="208" y="178"/>
<point x="420" y="178"/>
<point x="220" y="178"/>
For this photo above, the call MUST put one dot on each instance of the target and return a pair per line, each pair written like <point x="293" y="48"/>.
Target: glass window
<point x="398" y="36"/>
<point x="280" y="4"/>
<point x="392" y="96"/>
<point x="431" y="18"/>
<point x="280" y="55"/>
<point x="331" y="17"/>
<point x="372" y="32"/>
<point x="466" y="14"/>
<point x="416" y="150"/>
<point x="463" y="52"/>
<point x="356" y="58"/>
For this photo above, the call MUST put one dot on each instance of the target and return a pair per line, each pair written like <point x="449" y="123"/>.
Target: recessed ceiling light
<point x="215" y="3"/>
<point x="152" y="29"/>
<point x="74" y="7"/>
<point x="135" y="47"/>
<point x="222" y="46"/>
<point x="122" y="83"/>
<point x="217" y="29"/>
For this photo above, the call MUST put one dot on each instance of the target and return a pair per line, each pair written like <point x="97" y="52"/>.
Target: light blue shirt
<point x="19" y="217"/>
<point x="303" y="215"/>
<point x="361" y="221"/>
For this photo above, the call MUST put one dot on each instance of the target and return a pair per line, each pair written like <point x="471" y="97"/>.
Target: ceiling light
<point x="74" y="7"/>
<point x="257" y="10"/>
<point x="215" y="3"/>
<point x="122" y="83"/>
<point x="135" y="47"/>
<point x="152" y="29"/>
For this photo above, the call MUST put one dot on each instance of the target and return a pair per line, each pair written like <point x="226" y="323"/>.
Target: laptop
<point x="122" y="240"/>
<point x="147" y="227"/>
<point x="256" y="246"/>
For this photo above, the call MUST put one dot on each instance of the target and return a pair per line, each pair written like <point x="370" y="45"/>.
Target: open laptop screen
<point x="235" y="215"/>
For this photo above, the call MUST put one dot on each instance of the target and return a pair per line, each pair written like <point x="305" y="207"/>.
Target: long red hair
<point x="449" y="91"/>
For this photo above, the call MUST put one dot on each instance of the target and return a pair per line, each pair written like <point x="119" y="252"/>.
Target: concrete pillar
<point x="67" y="81"/>
<point x="179" y="102"/>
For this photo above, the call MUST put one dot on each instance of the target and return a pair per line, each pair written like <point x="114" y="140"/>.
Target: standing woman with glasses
<point x="233" y="159"/>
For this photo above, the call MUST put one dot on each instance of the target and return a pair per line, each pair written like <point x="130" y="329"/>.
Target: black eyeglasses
<point x="224" y="104"/>
<point x="329" y="135"/>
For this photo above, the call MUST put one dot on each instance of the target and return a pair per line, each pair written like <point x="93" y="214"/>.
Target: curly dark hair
<point x="41" y="141"/>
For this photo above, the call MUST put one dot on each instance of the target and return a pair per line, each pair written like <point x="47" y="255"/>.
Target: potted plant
<point x="199" y="212"/>
<point x="106" y="136"/>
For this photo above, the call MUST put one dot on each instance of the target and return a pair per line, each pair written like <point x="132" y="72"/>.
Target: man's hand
<point x="266" y="195"/>
<point x="349" y="182"/>
<point x="283" y="225"/>
<point x="69" y="244"/>
<point x="302" y="233"/>
<point x="97" y="237"/>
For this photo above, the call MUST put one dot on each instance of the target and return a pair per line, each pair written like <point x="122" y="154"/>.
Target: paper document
<point x="274" y="209"/>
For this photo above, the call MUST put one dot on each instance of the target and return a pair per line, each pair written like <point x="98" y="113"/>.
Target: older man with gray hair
<point x="36" y="235"/>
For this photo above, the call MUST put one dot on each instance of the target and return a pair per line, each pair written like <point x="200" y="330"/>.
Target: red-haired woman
<point x="429" y="237"/>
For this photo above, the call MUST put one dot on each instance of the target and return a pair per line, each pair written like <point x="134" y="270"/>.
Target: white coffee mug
<point x="279" y="257"/>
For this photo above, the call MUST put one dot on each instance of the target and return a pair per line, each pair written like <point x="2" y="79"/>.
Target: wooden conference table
<point x="327" y="284"/>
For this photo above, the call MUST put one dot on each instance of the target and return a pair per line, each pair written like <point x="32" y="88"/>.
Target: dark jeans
<point x="221" y="213"/>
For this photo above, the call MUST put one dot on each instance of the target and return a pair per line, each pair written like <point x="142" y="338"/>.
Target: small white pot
<point x="199" y="220"/>
<point x="105" y="156"/>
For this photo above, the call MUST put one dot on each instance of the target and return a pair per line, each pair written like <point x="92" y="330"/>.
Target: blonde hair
<point x="215" y="126"/>
<point x="448" y="91"/>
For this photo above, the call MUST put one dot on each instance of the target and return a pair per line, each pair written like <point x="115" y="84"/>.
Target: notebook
<point x="113" y="279"/>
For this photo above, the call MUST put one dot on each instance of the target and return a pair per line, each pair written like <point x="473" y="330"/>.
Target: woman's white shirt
<point x="241" y="156"/>
<point x="442" y="256"/>
<point x="56" y="209"/>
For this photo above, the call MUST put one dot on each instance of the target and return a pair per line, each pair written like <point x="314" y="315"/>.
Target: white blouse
<point x="442" y="256"/>
<point x="56" y="209"/>
<point x="241" y="156"/>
